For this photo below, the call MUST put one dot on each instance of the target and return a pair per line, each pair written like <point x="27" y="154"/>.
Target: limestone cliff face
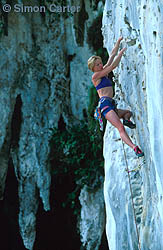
<point x="42" y="59"/>
<point x="43" y="76"/>
<point x="139" y="88"/>
<point x="29" y="74"/>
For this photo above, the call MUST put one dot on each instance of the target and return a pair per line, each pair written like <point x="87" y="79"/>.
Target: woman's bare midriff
<point x="107" y="91"/>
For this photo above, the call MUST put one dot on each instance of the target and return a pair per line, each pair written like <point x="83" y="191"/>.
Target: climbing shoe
<point x="129" y="124"/>
<point x="138" y="151"/>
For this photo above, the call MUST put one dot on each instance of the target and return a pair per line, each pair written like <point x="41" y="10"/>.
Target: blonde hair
<point x="91" y="61"/>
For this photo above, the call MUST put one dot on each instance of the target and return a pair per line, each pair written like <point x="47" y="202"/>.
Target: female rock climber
<point x="104" y="89"/>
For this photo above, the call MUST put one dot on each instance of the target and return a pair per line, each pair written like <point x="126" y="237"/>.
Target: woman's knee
<point x="127" y="115"/>
<point x="129" y="112"/>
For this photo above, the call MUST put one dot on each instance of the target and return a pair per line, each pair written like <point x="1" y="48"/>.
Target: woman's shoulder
<point x="95" y="80"/>
<point x="95" y="77"/>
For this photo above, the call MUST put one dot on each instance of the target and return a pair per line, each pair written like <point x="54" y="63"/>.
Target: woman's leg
<point x="113" y="118"/>
<point x="125" y="114"/>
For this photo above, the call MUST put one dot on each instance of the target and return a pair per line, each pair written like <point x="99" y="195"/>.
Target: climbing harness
<point x="132" y="200"/>
<point x="98" y="111"/>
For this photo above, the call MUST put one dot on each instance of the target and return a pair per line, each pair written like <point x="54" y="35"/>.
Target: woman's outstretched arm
<point x="113" y="52"/>
<point x="97" y="75"/>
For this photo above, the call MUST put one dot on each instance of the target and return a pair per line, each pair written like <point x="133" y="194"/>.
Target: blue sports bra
<point x="105" y="82"/>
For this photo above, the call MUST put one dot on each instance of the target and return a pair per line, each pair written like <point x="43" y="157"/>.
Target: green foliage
<point x="77" y="154"/>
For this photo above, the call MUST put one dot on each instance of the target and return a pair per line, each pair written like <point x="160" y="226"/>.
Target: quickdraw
<point x="137" y="168"/>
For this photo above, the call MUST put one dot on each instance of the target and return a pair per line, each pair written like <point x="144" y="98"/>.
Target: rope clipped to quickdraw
<point x="132" y="200"/>
<point x="137" y="168"/>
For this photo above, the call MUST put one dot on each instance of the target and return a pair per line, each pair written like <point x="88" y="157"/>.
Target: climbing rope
<point x="137" y="168"/>
<point x="132" y="200"/>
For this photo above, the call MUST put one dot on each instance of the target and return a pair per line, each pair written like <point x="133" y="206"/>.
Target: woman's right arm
<point x="109" y="68"/>
<point x="113" y="52"/>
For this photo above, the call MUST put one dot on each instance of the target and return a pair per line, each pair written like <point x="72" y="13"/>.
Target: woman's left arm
<point x="113" y="52"/>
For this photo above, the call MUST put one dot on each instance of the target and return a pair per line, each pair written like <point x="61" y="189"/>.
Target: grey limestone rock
<point x="139" y="87"/>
